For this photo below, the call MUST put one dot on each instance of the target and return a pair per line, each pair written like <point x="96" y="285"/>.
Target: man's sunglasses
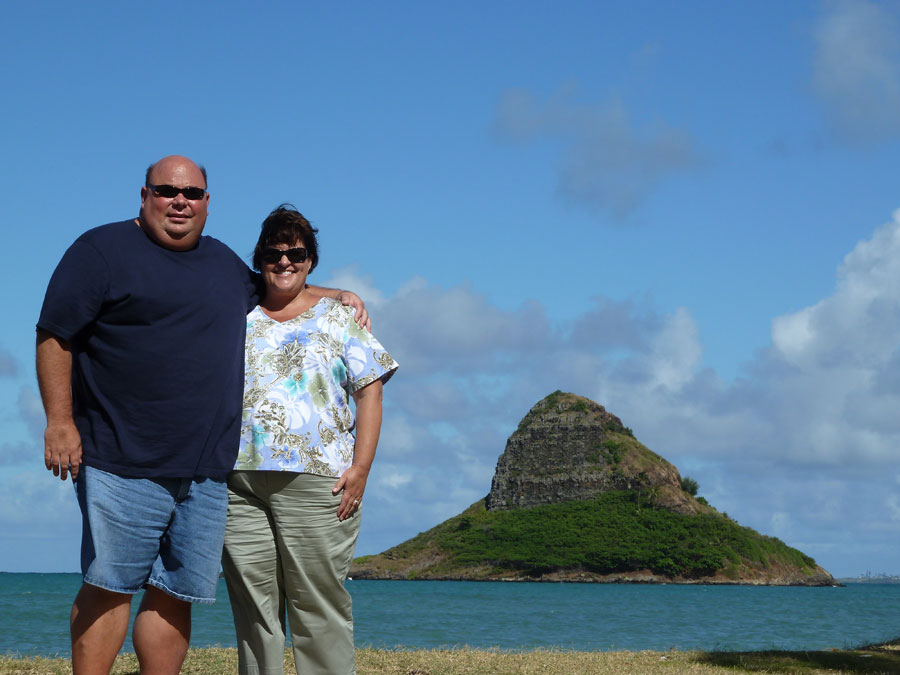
<point x="170" y="191"/>
<point x="273" y="255"/>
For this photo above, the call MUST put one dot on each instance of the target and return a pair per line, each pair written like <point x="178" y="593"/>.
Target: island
<point x="576" y="497"/>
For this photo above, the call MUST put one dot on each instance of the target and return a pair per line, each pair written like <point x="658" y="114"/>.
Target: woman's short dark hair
<point x="286" y="225"/>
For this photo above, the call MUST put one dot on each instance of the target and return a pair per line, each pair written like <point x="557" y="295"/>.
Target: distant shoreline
<point x="625" y="581"/>
<point x="839" y="580"/>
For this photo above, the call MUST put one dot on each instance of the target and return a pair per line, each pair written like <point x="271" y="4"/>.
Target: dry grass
<point x="872" y="659"/>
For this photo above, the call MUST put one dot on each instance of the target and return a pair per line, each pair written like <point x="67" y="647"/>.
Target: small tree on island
<point x="690" y="486"/>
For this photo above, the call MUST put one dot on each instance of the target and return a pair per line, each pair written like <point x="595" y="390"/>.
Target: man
<point x="140" y="367"/>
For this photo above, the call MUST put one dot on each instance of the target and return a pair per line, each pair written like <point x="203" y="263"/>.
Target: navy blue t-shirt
<point x="158" y="343"/>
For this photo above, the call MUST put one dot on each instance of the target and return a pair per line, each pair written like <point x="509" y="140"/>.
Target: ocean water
<point x="34" y="610"/>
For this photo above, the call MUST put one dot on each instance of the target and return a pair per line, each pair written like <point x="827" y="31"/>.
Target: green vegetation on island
<point x="617" y="533"/>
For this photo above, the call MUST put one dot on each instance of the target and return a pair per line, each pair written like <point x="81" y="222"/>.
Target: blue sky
<point x="683" y="211"/>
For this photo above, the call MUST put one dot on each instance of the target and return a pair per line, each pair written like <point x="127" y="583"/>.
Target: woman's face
<point x="284" y="277"/>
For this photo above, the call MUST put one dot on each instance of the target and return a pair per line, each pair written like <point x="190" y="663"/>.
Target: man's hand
<point x="362" y="316"/>
<point x="346" y="298"/>
<point x="62" y="450"/>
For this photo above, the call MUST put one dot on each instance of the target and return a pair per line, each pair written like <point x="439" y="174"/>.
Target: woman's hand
<point x="368" y="427"/>
<point x="353" y="483"/>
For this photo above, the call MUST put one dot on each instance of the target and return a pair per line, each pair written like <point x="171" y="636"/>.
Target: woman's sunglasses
<point x="273" y="255"/>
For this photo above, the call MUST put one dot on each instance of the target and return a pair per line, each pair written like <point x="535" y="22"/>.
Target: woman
<point x="295" y="493"/>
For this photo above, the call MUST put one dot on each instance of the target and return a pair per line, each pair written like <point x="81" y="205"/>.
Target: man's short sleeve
<point x="76" y="292"/>
<point x="255" y="287"/>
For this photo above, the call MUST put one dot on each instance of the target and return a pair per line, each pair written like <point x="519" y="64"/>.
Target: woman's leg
<point x="253" y="575"/>
<point x="316" y="550"/>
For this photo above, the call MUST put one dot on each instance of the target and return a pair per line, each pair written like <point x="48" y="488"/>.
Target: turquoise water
<point x="34" y="610"/>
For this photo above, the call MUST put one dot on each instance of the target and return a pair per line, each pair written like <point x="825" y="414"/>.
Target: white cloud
<point x="393" y="477"/>
<point x="350" y="277"/>
<point x="29" y="487"/>
<point x="676" y="352"/>
<point x="399" y="434"/>
<point x="20" y="453"/>
<point x="858" y="325"/>
<point x="793" y="334"/>
<point x="780" y="524"/>
<point x="41" y="512"/>
<point x="9" y="366"/>
<point x="856" y="68"/>
<point x="892" y="504"/>
<point x="29" y="412"/>
<point x="32" y="411"/>
<point x="608" y="163"/>
<point x="457" y="330"/>
<point x="842" y="357"/>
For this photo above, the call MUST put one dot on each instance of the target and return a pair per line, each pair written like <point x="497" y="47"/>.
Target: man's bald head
<point x="199" y="166"/>
<point x="174" y="222"/>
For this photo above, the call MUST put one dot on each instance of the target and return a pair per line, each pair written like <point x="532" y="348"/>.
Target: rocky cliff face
<point x="569" y="448"/>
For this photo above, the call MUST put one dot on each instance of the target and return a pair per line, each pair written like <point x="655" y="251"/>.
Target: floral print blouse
<point x="299" y="376"/>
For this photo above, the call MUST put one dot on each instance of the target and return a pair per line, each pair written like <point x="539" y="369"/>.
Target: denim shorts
<point x="162" y="532"/>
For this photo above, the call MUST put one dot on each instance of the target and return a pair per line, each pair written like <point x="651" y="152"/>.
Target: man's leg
<point x="186" y="570"/>
<point x="123" y="521"/>
<point x="162" y="632"/>
<point x="98" y="625"/>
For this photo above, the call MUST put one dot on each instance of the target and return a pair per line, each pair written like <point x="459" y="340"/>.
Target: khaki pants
<point x="286" y="549"/>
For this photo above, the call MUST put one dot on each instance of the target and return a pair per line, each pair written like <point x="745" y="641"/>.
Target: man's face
<point x="174" y="222"/>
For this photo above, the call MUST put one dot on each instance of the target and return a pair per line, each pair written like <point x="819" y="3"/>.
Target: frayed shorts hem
<point x="150" y="582"/>
<point x="180" y="596"/>
<point x="110" y="587"/>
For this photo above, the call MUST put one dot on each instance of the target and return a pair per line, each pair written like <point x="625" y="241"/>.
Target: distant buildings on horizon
<point x="869" y="578"/>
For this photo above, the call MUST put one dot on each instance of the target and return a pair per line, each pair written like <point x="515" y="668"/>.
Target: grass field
<point x="869" y="659"/>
